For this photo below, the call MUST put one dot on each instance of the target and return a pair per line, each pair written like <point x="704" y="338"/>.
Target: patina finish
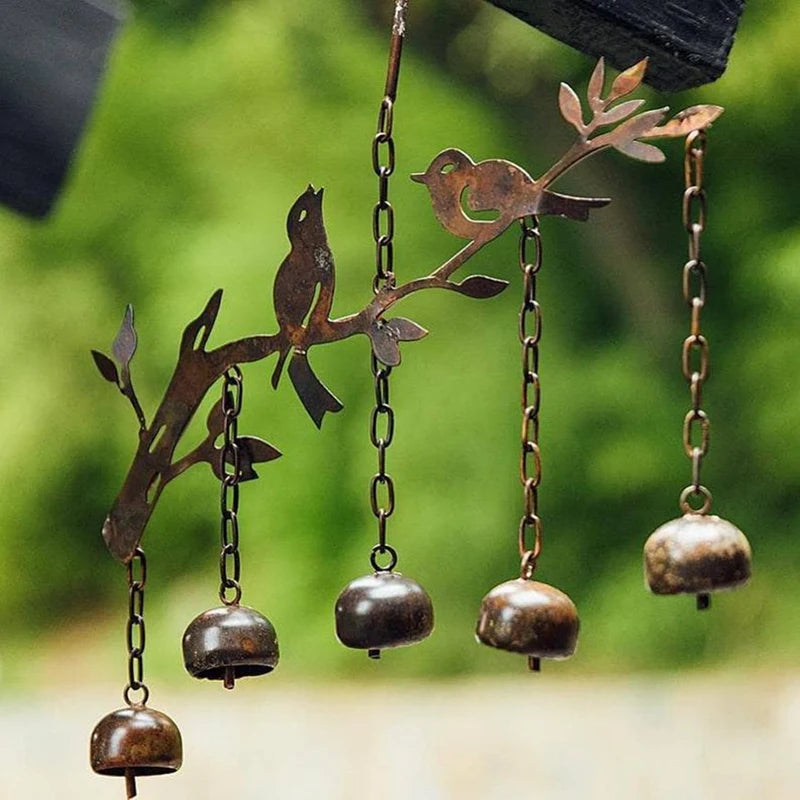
<point x="230" y="642"/>
<point x="529" y="617"/>
<point x="135" y="741"/>
<point x="696" y="554"/>
<point x="384" y="610"/>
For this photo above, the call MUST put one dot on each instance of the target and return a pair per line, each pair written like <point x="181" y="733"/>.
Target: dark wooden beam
<point x="52" y="55"/>
<point x="687" y="41"/>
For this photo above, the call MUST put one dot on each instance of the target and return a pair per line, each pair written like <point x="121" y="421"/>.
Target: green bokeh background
<point x="212" y="119"/>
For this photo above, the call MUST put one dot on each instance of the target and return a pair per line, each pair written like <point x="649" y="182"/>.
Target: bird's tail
<point x="563" y="205"/>
<point x="276" y="375"/>
<point x="314" y="396"/>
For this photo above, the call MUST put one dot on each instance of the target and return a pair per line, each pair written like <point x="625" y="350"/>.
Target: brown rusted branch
<point x="304" y="285"/>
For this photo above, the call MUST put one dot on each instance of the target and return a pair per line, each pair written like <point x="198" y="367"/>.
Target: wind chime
<point x="697" y="554"/>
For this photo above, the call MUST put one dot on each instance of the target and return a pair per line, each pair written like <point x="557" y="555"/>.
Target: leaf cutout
<point x="204" y="321"/>
<point x="641" y="151"/>
<point x="595" y="91"/>
<point x="257" y="449"/>
<point x="215" y="423"/>
<point x="479" y="286"/>
<point x="124" y="345"/>
<point x="635" y="127"/>
<point x="384" y="344"/>
<point x="628" y="81"/>
<point x="406" y="330"/>
<point x="108" y="369"/>
<point x="618" y="113"/>
<point x="684" y="122"/>
<point x="570" y="106"/>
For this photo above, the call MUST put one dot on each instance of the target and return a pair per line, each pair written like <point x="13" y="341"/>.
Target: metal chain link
<point x="134" y="629"/>
<point x="230" y="468"/>
<point x="694" y="358"/>
<point x="530" y="333"/>
<point x="381" y="432"/>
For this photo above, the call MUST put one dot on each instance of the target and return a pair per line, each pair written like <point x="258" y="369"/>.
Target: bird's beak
<point x="419" y="177"/>
<point x="319" y="193"/>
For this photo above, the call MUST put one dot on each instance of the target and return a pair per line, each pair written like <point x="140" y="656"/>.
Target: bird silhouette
<point x="454" y="179"/>
<point x="302" y="295"/>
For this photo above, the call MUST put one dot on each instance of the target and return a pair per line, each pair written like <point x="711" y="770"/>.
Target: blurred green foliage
<point x="213" y="119"/>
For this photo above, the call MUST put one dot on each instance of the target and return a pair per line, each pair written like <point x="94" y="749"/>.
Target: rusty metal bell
<point x="383" y="610"/>
<point x="135" y="741"/>
<point x="528" y="617"/>
<point x="696" y="554"/>
<point x="230" y="642"/>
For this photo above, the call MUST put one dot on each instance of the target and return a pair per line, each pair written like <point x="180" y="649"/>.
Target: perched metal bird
<point x="303" y="294"/>
<point x="454" y="179"/>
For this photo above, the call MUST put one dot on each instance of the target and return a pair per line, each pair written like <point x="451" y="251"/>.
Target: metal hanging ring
<point x="373" y="558"/>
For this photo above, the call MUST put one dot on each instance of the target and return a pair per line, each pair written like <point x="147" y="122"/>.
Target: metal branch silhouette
<point x="304" y="288"/>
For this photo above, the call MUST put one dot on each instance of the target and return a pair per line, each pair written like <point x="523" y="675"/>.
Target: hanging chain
<point x="696" y="424"/>
<point x="530" y="333"/>
<point x="134" y="629"/>
<point x="381" y="431"/>
<point x="230" y="468"/>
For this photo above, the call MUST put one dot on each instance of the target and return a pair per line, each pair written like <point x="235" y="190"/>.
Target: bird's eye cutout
<point x="449" y="167"/>
<point x="303" y="215"/>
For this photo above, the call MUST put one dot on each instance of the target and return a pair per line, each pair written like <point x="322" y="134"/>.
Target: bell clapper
<point x="230" y="677"/>
<point x="130" y="783"/>
<point x="534" y="664"/>
<point x="703" y="601"/>
<point x="374" y="653"/>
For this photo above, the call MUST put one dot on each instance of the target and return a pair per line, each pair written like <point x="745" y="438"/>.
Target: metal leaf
<point x="108" y="369"/>
<point x="258" y="450"/>
<point x="628" y="81"/>
<point x="636" y="127"/>
<point x="124" y="345"/>
<point x="619" y="112"/>
<point x="479" y="286"/>
<point x="595" y="91"/>
<point x="384" y="344"/>
<point x="204" y="321"/>
<point x="641" y="151"/>
<point x="570" y="106"/>
<point x="684" y="122"/>
<point x="406" y="330"/>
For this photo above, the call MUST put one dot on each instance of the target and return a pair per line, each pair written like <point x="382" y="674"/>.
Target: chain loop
<point x="695" y="354"/>
<point x="134" y="628"/>
<point x="530" y="333"/>
<point x="230" y="564"/>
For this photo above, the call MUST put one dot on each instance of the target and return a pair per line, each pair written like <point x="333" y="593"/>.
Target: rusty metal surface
<point x="529" y="617"/>
<point x="135" y="741"/>
<point x="229" y="642"/>
<point x="492" y="185"/>
<point x="696" y="554"/>
<point x="383" y="610"/>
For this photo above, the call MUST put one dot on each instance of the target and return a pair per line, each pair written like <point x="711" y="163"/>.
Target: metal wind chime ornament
<point x="697" y="553"/>
<point x="383" y="609"/>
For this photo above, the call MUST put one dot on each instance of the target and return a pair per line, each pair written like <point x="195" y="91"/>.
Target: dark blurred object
<point x="52" y="55"/>
<point x="687" y="42"/>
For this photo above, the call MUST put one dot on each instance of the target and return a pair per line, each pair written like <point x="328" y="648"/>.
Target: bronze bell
<point x="528" y="617"/>
<point x="696" y="554"/>
<point x="230" y="642"/>
<point x="133" y="741"/>
<point x="383" y="610"/>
